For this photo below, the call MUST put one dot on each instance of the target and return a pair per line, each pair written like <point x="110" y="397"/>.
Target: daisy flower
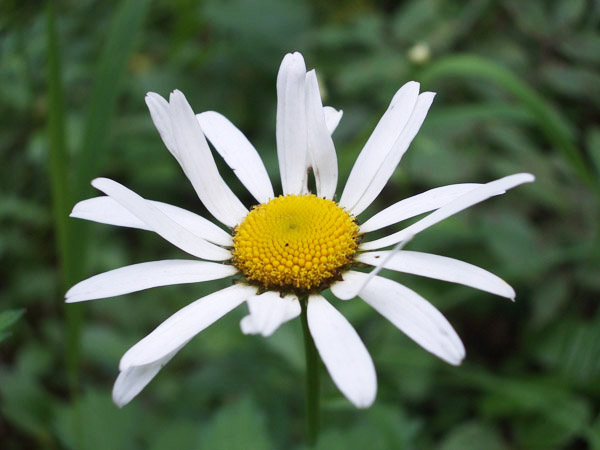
<point x="287" y="249"/>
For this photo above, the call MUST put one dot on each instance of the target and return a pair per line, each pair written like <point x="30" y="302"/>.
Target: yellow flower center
<point x="295" y="242"/>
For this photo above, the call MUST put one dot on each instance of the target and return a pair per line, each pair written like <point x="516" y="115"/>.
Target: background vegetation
<point x="518" y="90"/>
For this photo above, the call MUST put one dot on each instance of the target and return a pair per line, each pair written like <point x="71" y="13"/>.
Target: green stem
<point x="312" y="379"/>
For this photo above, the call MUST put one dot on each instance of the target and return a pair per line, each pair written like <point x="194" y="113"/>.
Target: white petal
<point x="412" y="314"/>
<point x="440" y="268"/>
<point x="160" y="223"/>
<point x="380" y="143"/>
<point x="268" y="312"/>
<point x="199" y="165"/>
<point x="108" y="211"/>
<point x="184" y="325"/>
<point x="320" y="146"/>
<point x="389" y="164"/>
<point x="147" y="275"/>
<point x="238" y="153"/>
<point x="463" y="202"/>
<point x="292" y="147"/>
<point x="415" y="205"/>
<point x="342" y="351"/>
<point x="131" y="381"/>
<point x="332" y="117"/>
<point x="159" y="111"/>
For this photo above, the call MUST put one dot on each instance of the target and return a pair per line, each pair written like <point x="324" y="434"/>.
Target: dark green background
<point x="518" y="90"/>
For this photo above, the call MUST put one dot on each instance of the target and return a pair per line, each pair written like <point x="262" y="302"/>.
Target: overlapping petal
<point x="238" y="153"/>
<point x="332" y="118"/>
<point x="147" y="275"/>
<point x="184" y="325"/>
<point x="379" y="146"/>
<point x="461" y="203"/>
<point x="160" y="223"/>
<point x="291" y="133"/>
<point x="268" y="311"/>
<point x="385" y="167"/>
<point x="415" y="205"/>
<point x="321" y="150"/>
<point x="440" y="268"/>
<point x="107" y="210"/>
<point x="199" y="165"/>
<point x="132" y="380"/>
<point x="159" y="111"/>
<point x="408" y="311"/>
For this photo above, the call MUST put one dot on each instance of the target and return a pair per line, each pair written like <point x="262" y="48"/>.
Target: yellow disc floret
<point x="295" y="242"/>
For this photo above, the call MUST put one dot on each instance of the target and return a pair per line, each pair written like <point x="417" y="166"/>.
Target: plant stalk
<point x="312" y="379"/>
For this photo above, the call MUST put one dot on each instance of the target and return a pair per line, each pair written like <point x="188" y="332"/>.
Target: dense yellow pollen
<point x="295" y="242"/>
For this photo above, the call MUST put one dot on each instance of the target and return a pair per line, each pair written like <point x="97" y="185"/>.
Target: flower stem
<point x="312" y="379"/>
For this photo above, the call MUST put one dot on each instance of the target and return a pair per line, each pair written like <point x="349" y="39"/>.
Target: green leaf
<point x="581" y="45"/>
<point x="578" y="82"/>
<point x="110" y="71"/>
<point x="537" y="399"/>
<point x="556" y="128"/>
<point x="7" y="319"/>
<point x="593" y="148"/>
<point x="472" y="436"/>
<point x="237" y="425"/>
<point x="103" y="425"/>
<point x="378" y="428"/>
<point x="471" y="115"/>
<point x="180" y="434"/>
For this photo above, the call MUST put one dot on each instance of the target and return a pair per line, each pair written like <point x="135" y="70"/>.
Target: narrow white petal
<point x="351" y="285"/>
<point x="440" y="268"/>
<point x="184" y="325"/>
<point x="147" y="275"/>
<point x="131" y="381"/>
<point x="320" y="145"/>
<point x="380" y="143"/>
<point x="412" y="314"/>
<point x="415" y="205"/>
<point x="199" y="165"/>
<point x="160" y="223"/>
<point x="159" y="111"/>
<point x="388" y="165"/>
<point x="332" y="117"/>
<point x="292" y="147"/>
<point x="466" y="200"/>
<point x="108" y="211"/>
<point x="342" y="351"/>
<point x="238" y="153"/>
<point x="268" y="312"/>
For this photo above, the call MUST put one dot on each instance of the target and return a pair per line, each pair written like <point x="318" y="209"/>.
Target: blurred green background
<point x="518" y="90"/>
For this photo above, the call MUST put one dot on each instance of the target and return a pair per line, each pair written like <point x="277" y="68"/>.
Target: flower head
<point x="289" y="248"/>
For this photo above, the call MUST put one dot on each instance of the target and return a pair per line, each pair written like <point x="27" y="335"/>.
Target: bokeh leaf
<point x="556" y="128"/>
<point x="7" y="320"/>
<point x="238" y="425"/>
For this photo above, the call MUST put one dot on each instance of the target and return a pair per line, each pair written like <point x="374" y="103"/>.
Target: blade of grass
<point x="61" y="202"/>
<point x="69" y="234"/>
<point x="557" y="130"/>
<point x="473" y="113"/>
<point x="110" y="71"/>
<point x="59" y="179"/>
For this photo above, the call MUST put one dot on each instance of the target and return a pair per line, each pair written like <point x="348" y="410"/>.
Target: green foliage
<point x="7" y="319"/>
<point x="517" y="90"/>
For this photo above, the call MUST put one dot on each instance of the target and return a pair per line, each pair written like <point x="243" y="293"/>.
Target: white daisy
<point x="289" y="248"/>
